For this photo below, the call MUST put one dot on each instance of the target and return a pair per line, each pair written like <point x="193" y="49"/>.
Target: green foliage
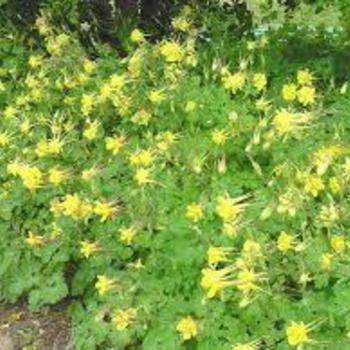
<point x="127" y="182"/>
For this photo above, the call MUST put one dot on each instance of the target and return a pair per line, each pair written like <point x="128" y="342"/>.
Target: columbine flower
<point x="89" y="248"/>
<point x="172" y="51"/>
<point x="91" y="130"/>
<point x="288" y="203"/>
<point x="34" y="240"/>
<point x="254" y="345"/>
<point x="326" y="261"/>
<point x="313" y="184"/>
<point x="104" y="284"/>
<point x="285" y="122"/>
<point x="289" y="92"/>
<point x="219" y="137"/>
<point x="259" y="81"/>
<point x="215" y="281"/>
<point x="229" y="208"/>
<point x="106" y="210"/>
<point x="115" y="143"/>
<point x="127" y="234"/>
<point x="194" y="212"/>
<point x="217" y="254"/>
<point x="137" y="36"/>
<point x="142" y="176"/>
<point x="57" y="176"/>
<point x="298" y="333"/>
<point x="247" y="280"/>
<point x="328" y="215"/>
<point x="338" y="243"/>
<point x="285" y="242"/>
<point x="234" y="82"/>
<point x="187" y="327"/>
<point x="304" y="77"/>
<point x="122" y="319"/>
<point x="306" y="95"/>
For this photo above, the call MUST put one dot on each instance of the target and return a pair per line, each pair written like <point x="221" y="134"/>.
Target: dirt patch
<point x="21" y="329"/>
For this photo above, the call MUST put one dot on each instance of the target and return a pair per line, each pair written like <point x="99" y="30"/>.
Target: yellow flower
<point x="10" y="112"/>
<point x="187" y="327"/>
<point x="324" y="157"/>
<point x="34" y="240"/>
<point x="306" y="95"/>
<point x="117" y="81"/>
<point x="142" y="176"/>
<point x="297" y="334"/>
<point x="326" y="261"/>
<point x="229" y="208"/>
<point x="106" y="210"/>
<point x="4" y="139"/>
<point x="122" y="319"/>
<point x="217" y="254"/>
<point x="143" y="157"/>
<point x="194" y="212"/>
<point x="219" y="137"/>
<point x="335" y="185"/>
<point x="287" y="203"/>
<point x="115" y="143"/>
<point x="285" y="122"/>
<point x="127" y="234"/>
<point x="91" y="131"/>
<point x="142" y="117"/>
<point x="172" y="51"/>
<point x="104" y="284"/>
<point x="32" y="177"/>
<point x="304" y="77"/>
<point x="234" y="82"/>
<point x="329" y="215"/>
<point x="289" y="92"/>
<point x="34" y="60"/>
<point x="248" y="346"/>
<point x="137" y="36"/>
<point x="75" y="207"/>
<point x="215" y="281"/>
<point x="57" y="176"/>
<point x="87" y="102"/>
<point x="313" y="184"/>
<point x="89" y="66"/>
<point x="338" y="243"/>
<point x="181" y="23"/>
<point x="88" y="248"/>
<point x="156" y="96"/>
<point x="285" y="242"/>
<point x="247" y="279"/>
<point x="251" y="251"/>
<point x="259" y="81"/>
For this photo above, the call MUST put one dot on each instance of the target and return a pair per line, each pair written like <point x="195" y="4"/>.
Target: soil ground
<point x="21" y="329"/>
